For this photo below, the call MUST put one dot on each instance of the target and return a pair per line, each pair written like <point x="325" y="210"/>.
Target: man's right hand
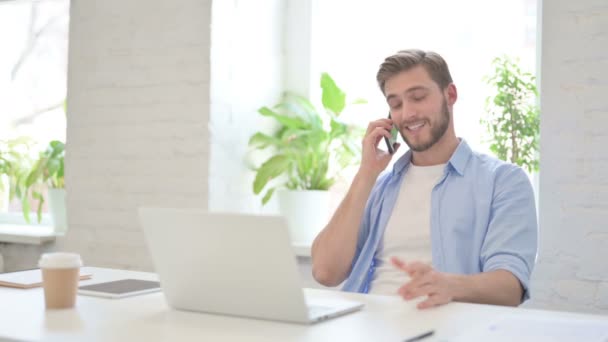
<point x="373" y="159"/>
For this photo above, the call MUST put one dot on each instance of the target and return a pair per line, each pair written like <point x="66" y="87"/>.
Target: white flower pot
<point x="306" y="211"/>
<point x="57" y="209"/>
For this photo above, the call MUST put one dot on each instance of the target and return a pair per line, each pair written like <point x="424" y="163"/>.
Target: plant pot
<point x="57" y="209"/>
<point x="306" y="212"/>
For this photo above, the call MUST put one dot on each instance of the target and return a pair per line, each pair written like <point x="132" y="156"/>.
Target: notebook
<point x="28" y="279"/>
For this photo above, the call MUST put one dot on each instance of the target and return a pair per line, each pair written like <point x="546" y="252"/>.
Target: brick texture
<point x="572" y="273"/>
<point x="138" y="113"/>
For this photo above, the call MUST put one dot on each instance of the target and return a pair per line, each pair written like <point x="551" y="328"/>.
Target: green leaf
<point x="53" y="166"/>
<point x="261" y="141"/>
<point x="271" y="169"/>
<point x="56" y="148"/>
<point x="25" y="207"/>
<point x="325" y="183"/>
<point x="290" y="122"/>
<point x="60" y="174"/>
<point x="333" y="98"/>
<point x="37" y="195"/>
<point x="337" y="129"/>
<point x="36" y="173"/>
<point x="302" y="107"/>
<point x="268" y="195"/>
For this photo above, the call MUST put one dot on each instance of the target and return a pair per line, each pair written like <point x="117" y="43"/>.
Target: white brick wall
<point x="138" y="109"/>
<point x="572" y="272"/>
<point x="21" y="257"/>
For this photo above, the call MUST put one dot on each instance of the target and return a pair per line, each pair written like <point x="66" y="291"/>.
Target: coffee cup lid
<point x="59" y="260"/>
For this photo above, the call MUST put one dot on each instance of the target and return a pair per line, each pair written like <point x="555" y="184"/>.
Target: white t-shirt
<point x="408" y="231"/>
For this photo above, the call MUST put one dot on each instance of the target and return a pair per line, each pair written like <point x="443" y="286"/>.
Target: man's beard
<point x="437" y="131"/>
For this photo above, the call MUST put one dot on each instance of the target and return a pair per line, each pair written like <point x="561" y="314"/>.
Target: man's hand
<point x="425" y="281"/>
<point x="497" y="287"/>
<point x="373" y="159"/>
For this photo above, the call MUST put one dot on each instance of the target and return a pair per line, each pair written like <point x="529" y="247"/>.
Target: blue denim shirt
<point x="483" y="218"/>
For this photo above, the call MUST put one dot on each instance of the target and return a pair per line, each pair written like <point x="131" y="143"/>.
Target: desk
<point x="148" y="318"/>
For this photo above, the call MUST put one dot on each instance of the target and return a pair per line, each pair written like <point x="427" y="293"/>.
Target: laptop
<point x="231" y="264"/>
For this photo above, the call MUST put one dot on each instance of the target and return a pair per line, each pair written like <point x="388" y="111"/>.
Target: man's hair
<point x="405" y="60"/>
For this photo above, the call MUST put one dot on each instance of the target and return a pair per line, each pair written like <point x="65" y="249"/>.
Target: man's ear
<point x="451" y="94"/>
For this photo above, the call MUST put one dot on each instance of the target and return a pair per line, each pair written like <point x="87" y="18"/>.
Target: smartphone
<point x="390" y="143"/>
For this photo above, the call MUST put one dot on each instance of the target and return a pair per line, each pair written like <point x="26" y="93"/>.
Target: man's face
<point x="418" y="108"/>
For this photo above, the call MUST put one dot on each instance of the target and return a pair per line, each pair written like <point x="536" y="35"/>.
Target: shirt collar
<point x="458" y="161"/>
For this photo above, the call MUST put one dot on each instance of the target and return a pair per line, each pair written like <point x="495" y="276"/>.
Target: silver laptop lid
<point x="231" y="264"/>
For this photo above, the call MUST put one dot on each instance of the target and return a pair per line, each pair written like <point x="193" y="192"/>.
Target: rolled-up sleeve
<point x="511" y="241"/>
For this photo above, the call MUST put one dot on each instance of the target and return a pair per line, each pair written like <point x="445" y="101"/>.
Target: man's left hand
<point x="425" y="281"/>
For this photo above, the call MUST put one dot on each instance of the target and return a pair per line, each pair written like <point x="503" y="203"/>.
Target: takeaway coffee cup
<point x="60" y="275"/>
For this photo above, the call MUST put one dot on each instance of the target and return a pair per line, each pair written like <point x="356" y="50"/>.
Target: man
<point x="446" y="223"/>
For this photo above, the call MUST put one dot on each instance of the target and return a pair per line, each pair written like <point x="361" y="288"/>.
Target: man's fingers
<point x="419" y="267"/>
<point x="376" y="135"/>
<point x="385" y="123"/>
<point x="424" y="282"/>
<point x="417" y="282"/>
<point x="434" y="300"/>
<point x="423" y="290"/>
<point x="413" y="269"/>
<point x="400" y="264"/>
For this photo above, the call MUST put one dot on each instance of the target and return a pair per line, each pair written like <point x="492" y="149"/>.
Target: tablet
<point x="120" y="288"/>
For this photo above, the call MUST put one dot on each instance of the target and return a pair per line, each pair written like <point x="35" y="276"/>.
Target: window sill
<point x="27" y="234"/>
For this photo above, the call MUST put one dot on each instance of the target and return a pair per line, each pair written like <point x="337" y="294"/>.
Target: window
<point x="352" y="38"/>
<point x="33" y="70"/>
<point x="469" y="34"/>
<point x="349" y="39"/>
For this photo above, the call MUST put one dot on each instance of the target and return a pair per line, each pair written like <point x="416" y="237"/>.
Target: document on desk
<point x="28" y="279"/>
<point x="538" y="329"/>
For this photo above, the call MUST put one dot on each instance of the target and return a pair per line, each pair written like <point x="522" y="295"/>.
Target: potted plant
<point x="512" y="114"/>
<point x="309" y="150"/>
<point x="14" y="166"/>
<point x="48" y="170"/>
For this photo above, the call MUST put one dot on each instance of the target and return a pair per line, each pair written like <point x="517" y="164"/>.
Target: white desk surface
<point x="148" y="318"/>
